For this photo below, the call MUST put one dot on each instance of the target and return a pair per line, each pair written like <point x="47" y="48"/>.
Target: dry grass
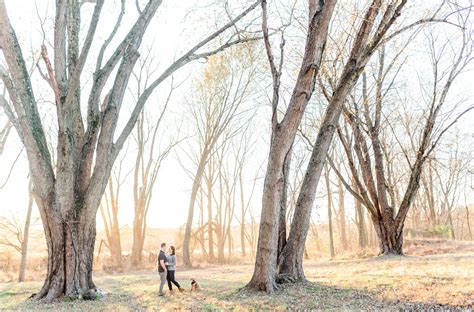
<point x="413" y="282"/>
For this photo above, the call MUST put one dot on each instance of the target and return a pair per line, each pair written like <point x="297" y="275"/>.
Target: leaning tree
<point x="284" y="132"/>
<point x="68" y="193"/>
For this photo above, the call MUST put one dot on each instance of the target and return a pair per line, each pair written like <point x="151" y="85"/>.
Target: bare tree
<point x="388" y="220"/>
<point x="68" y="194"/>
<point x="283" y="135"/>
<point x="368" y="35"/>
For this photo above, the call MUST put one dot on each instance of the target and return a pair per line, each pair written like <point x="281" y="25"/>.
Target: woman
<point x="171" y="266"/>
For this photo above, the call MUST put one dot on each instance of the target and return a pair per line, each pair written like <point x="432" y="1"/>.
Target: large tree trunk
<point x="390" y="241"/>
<point x="265" y="264"/>
<point x="70" y="242"/>
<point x="24" y="242"/>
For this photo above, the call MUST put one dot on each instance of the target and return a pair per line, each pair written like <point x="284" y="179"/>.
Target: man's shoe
<point x="181" y="289"/>
<point x="161" y="294"/>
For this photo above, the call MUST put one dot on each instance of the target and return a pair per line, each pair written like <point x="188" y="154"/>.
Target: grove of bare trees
<point x="243" y="119"/>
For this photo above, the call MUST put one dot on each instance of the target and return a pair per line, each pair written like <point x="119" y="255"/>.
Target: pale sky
<point x="176" y="25"/>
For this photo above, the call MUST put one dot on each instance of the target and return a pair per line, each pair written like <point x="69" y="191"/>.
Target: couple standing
<point x="166" y="268"/>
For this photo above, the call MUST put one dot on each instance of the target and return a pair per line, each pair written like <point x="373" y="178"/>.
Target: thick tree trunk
<point x="24" y="243"/>
<point x="70" y="244"/>
<point x="265" y="264"/>
<point x="390" y="241"/>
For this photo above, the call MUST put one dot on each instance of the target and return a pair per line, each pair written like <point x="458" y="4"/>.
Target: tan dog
<point x="194" y="285"/>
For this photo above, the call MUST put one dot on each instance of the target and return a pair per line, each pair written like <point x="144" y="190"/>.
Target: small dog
<point x="194" y="285"/>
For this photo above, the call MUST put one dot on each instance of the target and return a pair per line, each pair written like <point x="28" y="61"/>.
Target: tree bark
<point x="70" y="257"/>
<point x="390" y="241"/>
<point x="283" y="206"/>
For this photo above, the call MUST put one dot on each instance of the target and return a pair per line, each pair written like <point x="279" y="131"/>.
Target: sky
<point x="176" y="25"/>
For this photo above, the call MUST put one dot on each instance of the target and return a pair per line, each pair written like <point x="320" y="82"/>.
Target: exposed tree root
<point x="286" y="278"/>
<point x="82" y="294"/>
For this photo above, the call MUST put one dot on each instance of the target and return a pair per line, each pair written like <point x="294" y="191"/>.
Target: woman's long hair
<point x="172" y="250"/>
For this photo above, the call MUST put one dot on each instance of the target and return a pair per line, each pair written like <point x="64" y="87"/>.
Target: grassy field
<point x="443" y="281"/>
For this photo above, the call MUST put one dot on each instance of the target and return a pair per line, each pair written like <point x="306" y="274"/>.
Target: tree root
<point x="285" y="278"/>
<point x="82" y="294"/>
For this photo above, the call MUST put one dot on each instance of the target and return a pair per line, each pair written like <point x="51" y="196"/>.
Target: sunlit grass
<point x="406" y="282"/>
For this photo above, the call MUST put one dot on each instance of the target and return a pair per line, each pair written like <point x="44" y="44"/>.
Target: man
<point x="162" y="267"/>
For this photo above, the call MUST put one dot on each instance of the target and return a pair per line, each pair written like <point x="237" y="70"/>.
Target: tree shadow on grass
<point x="310" y="295"/>
<point x="140" y="292"/>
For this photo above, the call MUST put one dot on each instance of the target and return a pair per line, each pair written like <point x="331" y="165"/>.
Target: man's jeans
<point x="162" y="281"/>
